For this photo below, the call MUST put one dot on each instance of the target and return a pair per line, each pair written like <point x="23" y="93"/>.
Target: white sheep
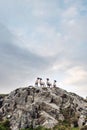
<point x="37" y="82"/>
<point x="48" y="83"/>
<point x="54" y="84"/>
<point x="41" y="82"/>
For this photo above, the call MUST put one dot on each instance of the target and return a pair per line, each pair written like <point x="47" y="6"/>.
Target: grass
<point x="56" y="128"/>
<point x="75" y="129"/>
<point x="5" y="125"/>
<point x="3" y="95"/>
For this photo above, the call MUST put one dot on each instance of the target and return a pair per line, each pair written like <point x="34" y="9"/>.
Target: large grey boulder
<point x="31" y="106"/>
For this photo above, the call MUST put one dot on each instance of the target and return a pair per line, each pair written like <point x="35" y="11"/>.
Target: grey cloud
<point x="17" y="63"/>
<point x="20" y="55"/>
<point x="75" y="53"/>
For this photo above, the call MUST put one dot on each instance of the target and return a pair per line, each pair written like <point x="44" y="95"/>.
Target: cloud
<point x="42" y="38"/>
<point x="17" y="64"/>
<point x="70" y="12"/>
<point x="76" y="80"/>
<point x="76" y="76"/>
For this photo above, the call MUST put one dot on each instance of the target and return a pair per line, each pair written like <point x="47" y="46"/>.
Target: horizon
<point x="46" y="39"/>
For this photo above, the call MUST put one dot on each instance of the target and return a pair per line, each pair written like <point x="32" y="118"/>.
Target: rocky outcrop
<point x="34" y="106"/>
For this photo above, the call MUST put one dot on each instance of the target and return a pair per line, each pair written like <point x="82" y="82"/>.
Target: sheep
<point x="41" y="82"/>
<point x="48" y="83"/>
<point x="37" y="82"/>
<point x="54" y="84"/>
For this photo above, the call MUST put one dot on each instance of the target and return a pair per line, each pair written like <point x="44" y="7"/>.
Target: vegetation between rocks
<point x="5" y="125"/>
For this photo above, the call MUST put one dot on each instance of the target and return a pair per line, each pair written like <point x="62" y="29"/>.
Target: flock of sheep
<point x="40" y="82"/>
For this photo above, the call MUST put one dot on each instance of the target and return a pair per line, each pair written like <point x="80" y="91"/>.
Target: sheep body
<point x="48" y="83"/>
<point x="41" y="82"/>
<point x="54" y="84"/>
<point x="37" y="82"/>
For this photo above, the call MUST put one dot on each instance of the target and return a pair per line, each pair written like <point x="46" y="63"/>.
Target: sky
<point x="43" y="38"/>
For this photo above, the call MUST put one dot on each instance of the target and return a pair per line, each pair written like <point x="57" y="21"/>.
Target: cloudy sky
<point x="46" y="38"/>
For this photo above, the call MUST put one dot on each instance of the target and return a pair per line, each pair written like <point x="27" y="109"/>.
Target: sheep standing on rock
<point x="41" y="82"/>
<point x="54" y="84"/>
<point x="48" y="83"/>
<point x="37" y="82"/>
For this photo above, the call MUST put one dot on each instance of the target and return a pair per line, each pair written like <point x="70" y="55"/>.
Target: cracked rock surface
<point x="34" y="106"/>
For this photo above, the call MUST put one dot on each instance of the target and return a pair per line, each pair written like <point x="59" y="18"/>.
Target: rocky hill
<point x="34" y="106"/>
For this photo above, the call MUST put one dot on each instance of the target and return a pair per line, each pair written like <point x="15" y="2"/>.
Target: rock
<point x="81" y="121"/>
<point x="61" y="117"/>
<point x="31" y="106"/>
